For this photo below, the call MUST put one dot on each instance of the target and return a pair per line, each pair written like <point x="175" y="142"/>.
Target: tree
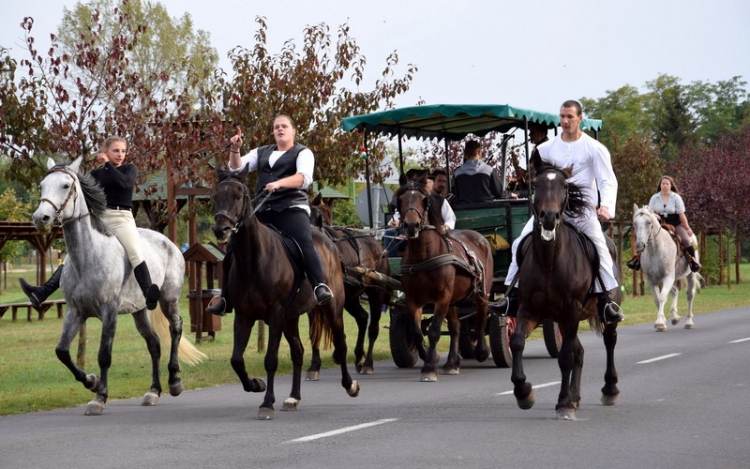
<point x="76" y="93"/>
<point x="668" y="103"/>
<point x="309" y="86"/>
<point x="720" y="107"/>
<point x="636" y="162"/>
<point x="623" y="113"/>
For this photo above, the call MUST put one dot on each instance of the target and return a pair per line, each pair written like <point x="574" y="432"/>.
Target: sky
<point x="532" y="54"/>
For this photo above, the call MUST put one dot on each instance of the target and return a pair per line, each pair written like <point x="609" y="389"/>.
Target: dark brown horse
<point x="557" y="270"/>
<point x="442" y="269"/>
<point x="356" y="251"/>
<point x="263" y="285"/>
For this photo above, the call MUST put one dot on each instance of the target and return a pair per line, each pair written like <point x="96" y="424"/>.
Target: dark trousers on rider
<point x="295" y="222"/>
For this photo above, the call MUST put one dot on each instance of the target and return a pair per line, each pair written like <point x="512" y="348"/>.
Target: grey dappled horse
<point x="662" y="265"/>
<point x="98" y="281"/>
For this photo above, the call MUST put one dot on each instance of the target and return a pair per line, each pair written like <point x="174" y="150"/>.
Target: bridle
<point x="651" y="233"/>
<point x="422" y="215"/>
<point x="566" y="200"/>
<point x="243" y="215"/>
<point x="72" y="194"/>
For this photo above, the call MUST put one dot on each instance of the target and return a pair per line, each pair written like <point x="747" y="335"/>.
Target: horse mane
<point x="576" y="203"/>
<point x="96" y="200"/>
<point x="434" y="202"/>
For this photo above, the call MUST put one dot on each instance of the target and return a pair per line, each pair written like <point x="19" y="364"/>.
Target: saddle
<point x="294" y="251"/>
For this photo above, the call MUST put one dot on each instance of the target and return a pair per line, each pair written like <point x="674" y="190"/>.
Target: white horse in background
<point x="662" y="266"/>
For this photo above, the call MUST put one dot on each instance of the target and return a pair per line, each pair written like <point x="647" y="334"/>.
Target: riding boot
<point x="634" y="263"/>
<point x="323" y="293"/>
<point x="150" y="290"/>
<point x="220" y="305"/>
<point x="695" y="266"/>
<point x="609" y="311"/>
<point x="507" y="306"/>
<point x="37" y="295"/>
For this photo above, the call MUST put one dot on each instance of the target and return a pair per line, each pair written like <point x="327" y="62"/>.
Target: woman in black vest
<point x="285" y="171"/>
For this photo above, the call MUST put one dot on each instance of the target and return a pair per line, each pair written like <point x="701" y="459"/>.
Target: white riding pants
<point x="593" y="229"/>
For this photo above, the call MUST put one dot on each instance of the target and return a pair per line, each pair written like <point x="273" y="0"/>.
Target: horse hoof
<point x="150" y="398"/>
<point x="451" y="370"/>
<point x="566" y="414"/>
<point x="428" y="377"/>
<point x="94" y="408"/>
<point x="676" y="320"/>
<point x="265" y="413"/>
<point x="689" y="326"/>
<point x="290" y="404"/>
<point x="176" y="388"/>
<point x="312" y="376"/>
<point x="366" y="370"/>
<point x="660" y="327"/>
<point x="609" y="400"/>
<point x="528" y="402"/>
<point x="260" y="385"/>
<point x="353" y="390"/>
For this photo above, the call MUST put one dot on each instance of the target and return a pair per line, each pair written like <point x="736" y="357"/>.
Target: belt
<point x="117" y="207"/>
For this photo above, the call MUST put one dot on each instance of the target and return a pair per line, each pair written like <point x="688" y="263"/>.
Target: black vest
<point x="285" y="166"/>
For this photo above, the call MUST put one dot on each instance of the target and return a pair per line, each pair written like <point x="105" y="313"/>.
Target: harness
<point x="464" y="258"/>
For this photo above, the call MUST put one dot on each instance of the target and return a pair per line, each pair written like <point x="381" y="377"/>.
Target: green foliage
<point x="345" y="214"/>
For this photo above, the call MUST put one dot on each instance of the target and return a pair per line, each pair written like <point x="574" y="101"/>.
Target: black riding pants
<point x="295" y="223"/>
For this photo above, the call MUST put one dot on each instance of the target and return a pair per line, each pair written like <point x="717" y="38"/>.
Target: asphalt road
<point x="685" y="403"/>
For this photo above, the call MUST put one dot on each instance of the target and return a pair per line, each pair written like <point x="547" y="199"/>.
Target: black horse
<point x="356" y="251"/>
<point x="558" y="268"/>
<point x="263" y="285"/>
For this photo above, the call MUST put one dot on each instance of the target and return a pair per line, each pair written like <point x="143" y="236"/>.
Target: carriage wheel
<point x="552" y="338"/>
<point x="500" y="331"/>
<point x="403" y="350"/>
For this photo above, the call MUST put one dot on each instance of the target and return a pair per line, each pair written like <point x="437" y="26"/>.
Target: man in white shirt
<point x="592" y="170"/>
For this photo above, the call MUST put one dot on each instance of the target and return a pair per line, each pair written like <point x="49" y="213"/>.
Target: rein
<point x="651" y="234"/>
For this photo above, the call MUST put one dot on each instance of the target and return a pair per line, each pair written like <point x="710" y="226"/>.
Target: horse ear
<point x="568" y="172"/>
<point x="75" y="164"/>
<point x="317" y="200"/>
<point x="50" y="163"/>
<point x="635" y="208"/>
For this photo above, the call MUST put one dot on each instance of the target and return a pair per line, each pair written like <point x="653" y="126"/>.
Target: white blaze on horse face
<point x="551" y="176"/>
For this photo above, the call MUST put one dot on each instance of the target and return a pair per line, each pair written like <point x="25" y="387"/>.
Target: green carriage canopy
<point x="453" y="121"/>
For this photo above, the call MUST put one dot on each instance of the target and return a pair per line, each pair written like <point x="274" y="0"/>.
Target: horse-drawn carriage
<point x="499" y="221"/>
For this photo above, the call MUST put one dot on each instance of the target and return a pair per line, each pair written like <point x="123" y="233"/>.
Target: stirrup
<point x="217" y="306"/>
<point x="323" y="293"/>
<point x="612" y="313"/>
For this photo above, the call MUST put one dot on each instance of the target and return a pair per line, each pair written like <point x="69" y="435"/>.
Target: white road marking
<point x="656" y="359"/>
<point x="341" y="430"/>
<point x="739" y="340"/>
<point x="553" y="383"/>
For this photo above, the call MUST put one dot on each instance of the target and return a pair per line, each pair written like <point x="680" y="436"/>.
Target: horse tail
<point x="320" y="328"/>
<point x="186" y="352"/>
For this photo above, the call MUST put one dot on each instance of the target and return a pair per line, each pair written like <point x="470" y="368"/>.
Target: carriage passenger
<point x="668" y="206"/>
<point x="285" y="171"/>
<point x="117" y="179"/>
<point x="475" y="181"/>
<point x="592" y="168"/>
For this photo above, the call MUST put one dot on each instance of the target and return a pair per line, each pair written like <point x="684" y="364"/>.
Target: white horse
<point x="98" y="281"/>
<point x="662" y="266"/>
